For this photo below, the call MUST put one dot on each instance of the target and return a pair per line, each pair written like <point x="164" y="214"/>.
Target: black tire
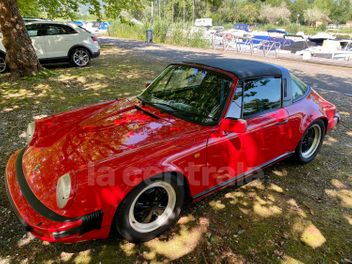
<point x="304" y="156"/>
<point x="3" y="66"/>
<point x="80" y="57"/>
<point x="127" y="225"/>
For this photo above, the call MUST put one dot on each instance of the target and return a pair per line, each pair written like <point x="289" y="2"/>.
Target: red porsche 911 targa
<point x="131" y="164"/>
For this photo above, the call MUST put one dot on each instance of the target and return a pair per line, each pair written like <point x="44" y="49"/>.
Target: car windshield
<point x="190" y="93"/>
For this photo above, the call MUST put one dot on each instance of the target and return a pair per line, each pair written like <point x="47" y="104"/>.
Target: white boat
<point x="331" y="49"/>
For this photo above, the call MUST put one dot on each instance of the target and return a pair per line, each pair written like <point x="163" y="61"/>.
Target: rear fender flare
<point x="78" y="46"/>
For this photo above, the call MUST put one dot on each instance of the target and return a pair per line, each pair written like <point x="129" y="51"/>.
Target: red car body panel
<point x="109" y="148"/>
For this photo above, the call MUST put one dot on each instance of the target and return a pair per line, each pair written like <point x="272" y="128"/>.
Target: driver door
<point x="259" y="103"/>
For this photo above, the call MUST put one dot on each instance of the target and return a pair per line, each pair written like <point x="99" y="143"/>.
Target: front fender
<point x="103" y="188"/>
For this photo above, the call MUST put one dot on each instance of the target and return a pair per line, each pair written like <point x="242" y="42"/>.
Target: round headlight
<point x="63" y="190"/>
<point x="30" y="131"/>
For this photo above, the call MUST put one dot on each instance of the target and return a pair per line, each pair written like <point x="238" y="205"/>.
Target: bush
<point x="163" y="32"/>
<point x="177" y="34"/>
<point x="321" y="27"/>
<point x="275" y="14"/>
<point x="160" y="30"/>
<point x="293" y="28"/>
<point x="313" y="15"/>
<point x="196" y="40"/>
<point x="127" y="30"/>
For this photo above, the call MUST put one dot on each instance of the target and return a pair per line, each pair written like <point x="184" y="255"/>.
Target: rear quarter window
<point x="298" y="87"/>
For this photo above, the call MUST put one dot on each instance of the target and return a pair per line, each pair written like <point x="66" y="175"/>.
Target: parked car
<point x="132" y="164"/>
<point x="32" y="19"/>
<point x="97" y="27"/>
<point x="59" y="42"/>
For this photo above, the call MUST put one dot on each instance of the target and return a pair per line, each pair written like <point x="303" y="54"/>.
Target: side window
<point x="55" y="30"/>
<point x="235" y="109"/>
<point x="299" y="88"/>
<point x="59" y="30"/>
<point x="261" y="95"/>
<point x="35" y="30"/>
<point x="69" y="30"/>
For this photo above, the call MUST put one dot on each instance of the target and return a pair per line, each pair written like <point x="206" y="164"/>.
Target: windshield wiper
<point x="175" y="111"/>
<point x="146" y="112"/>
<point x="162" y="106"/>
<point x="188" y="114"/>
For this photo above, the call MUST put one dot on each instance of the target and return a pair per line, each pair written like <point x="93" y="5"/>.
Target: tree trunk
<point x="20" y="55"/>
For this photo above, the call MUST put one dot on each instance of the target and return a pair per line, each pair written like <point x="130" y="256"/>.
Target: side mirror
<point x="229" y="125"/>
<point x="147" y="83"/>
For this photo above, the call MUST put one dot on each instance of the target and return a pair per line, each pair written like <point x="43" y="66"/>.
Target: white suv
<point x="55" y="42"/>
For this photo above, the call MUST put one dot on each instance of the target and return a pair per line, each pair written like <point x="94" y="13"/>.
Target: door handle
<point x="285" y="121"/>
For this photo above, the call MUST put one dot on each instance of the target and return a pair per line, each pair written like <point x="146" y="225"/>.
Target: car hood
<point x="110" y="131"/>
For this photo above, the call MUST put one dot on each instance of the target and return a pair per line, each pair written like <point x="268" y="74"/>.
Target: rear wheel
<point x="3" y="65"/>
<point x="311" y="142"/>
<point x="150" y="209"/>
<point x="80" y="57"/>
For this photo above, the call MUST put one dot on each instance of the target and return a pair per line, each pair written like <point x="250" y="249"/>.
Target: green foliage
<point x="160" y="29"/>
<point x="341" y="11"/>
<point x="197" y="40"/>
<point x="127" y="30"/>
<point x="164" y="12"/>
<point x="236" y="11"/>
<point x="314" y="15"/>
<point x="325" y="5"/>
<point x="59" y="8"/>
<point x="275" y="14"/>
<point x="293" y="28"/>
<point x="297" y="10"/>
<point x="321" y="27"/>
<point x="70" y="8"/>
<point x="29" y="8"/>
<point x="163" y="32"/>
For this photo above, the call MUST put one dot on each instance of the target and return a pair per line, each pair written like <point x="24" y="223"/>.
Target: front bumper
<point x="40" y="220"/>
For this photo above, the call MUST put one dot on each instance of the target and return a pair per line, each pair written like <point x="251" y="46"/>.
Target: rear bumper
<point x="337" y="119"/>
<point x="44" y="223"/>
<point x="333" y="122"/>
<point x="96" y="54"/>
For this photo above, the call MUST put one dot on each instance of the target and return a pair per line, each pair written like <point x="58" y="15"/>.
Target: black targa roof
<point x="241" y="68"/>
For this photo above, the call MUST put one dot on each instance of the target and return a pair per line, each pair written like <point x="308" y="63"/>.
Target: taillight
<point x="330" y="112"/>
<point x="94" y="38"/>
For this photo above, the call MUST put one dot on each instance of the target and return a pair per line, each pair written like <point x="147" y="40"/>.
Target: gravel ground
<point x="332" y="78"/>
<point x="301" y="214"/>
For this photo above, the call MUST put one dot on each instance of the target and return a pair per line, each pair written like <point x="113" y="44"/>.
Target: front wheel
<point x="3" y="65"/>
<point x="311" y="142"/>
<point x="80" y="57"/>
<point x="150" y="209"/>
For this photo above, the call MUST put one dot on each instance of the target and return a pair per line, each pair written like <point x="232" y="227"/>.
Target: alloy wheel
<point x="153" y="207"/>
<point x="81" y="57"/>
<point x="311" y="141"/>
<point x="2" y="65"/>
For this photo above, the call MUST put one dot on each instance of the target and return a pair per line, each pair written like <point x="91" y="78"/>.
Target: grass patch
<point x="300" y="215"/>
